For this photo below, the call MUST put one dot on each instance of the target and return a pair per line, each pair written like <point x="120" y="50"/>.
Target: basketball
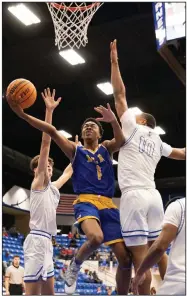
<point x="22" y="91"/>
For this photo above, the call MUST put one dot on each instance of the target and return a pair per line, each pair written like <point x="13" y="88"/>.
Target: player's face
<point x="49" y="170"/>
<point x="140" y="120"/>
<point x="16" y="261"/>
<point x="90" y="131"/>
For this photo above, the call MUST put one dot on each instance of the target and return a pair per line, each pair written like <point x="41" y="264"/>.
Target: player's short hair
<point x="95" y="121"/>
<point x="150" y="120"/>
<point x="34" y="162"/>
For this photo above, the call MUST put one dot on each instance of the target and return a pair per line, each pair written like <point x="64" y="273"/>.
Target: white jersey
<point x="140" y="154"/>
<point x="43" y="205"/>
<point x="175" y="215"/>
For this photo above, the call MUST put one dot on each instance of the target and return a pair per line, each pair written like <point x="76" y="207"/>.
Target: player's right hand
<point x="15" y="106"/>
<point x="7" y="293"/>
<point x="113" y="52"/>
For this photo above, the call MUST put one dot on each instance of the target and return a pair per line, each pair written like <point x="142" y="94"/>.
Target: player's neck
<point x="92" y="145"/>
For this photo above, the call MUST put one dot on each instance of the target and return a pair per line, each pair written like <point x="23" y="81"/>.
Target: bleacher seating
<point x="13" y="246"/>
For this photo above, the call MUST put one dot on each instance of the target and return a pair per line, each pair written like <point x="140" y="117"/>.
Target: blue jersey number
<point x="146" y="146"/>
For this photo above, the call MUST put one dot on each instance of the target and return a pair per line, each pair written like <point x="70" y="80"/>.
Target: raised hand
<point x="138" y="280"/>
<point x="49" y="99"/>
<point x="113" y="52"/>
<point x="108" y="115"/>
<point x="77" y="142"/>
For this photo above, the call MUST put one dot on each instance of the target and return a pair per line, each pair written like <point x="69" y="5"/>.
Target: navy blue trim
<point x="135" y="231"/>
<point x="31" y="281"/>
<point x="50" y="271"/>
<point x="155" y="231"/>
<point x="35" y="274"/>
<point x="130" y="138"/>
<point x="134" y="235"/>
<point x="153" y="236"/>
<point x="41" y="235"/>
<point x="182" y="219"/>
<point x="42" y="190"/>
<point x="40" y="231"/>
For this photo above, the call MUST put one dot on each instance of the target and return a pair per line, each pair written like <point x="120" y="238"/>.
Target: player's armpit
<point x="38" y="182"/>
<point x="178" y="153"/>
<point x="112" y="146"/>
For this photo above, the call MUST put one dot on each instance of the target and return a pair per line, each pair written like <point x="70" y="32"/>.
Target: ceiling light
<point x="159" y="130"/>
<point x="106" y="88"/>
<point x="136" y="110"/>
<point x="72" y="57"/>
<point x="25" y="15"/>
<point x="65" y="134"/>
<point x="58" y="230"/>
<point x="115" y="162"/>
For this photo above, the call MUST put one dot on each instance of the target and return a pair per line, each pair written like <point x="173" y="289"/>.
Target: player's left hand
<point x="108" y="115"/>
<point x="49" y="99"/>
<point x="138" y="280"/>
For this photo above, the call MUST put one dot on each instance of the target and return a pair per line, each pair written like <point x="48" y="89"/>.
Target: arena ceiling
<point x="30" y="52"/>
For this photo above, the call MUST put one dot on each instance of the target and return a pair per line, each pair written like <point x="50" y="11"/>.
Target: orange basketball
<point x="22" y="91"/>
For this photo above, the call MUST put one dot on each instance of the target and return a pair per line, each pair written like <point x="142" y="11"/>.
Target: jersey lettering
<point x="146" y="146"/>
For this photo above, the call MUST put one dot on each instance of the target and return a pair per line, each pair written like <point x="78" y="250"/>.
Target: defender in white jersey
<point x="173" y="232"/>
<point x="44" y="199"/>
<point x="141" y="208"/>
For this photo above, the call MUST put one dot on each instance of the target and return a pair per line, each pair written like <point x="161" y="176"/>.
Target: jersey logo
<point x="146" y="146"/>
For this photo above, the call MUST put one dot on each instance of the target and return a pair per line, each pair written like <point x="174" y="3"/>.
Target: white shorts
<point x="141" y="216"/>
<point x="172" y="288"/>
<point x="38" y="256"/>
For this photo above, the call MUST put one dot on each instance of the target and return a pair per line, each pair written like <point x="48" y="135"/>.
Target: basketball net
<point x="71" y="22"/>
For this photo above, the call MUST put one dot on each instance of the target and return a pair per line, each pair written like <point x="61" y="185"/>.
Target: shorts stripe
<point x="26" y="276"/>
<point x="39" y="234"/>
<point x="135" y="235"/>
<point x="136" y="231"/>
<point x="153" y="236"/>
<point x="155" y="231"/>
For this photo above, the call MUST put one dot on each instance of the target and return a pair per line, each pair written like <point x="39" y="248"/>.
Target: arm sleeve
<point x="128" y="122"/>
<point x="173" y="214"/>
<point x="165" y="149"/>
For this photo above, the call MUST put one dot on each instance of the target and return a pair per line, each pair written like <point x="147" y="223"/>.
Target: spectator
<point x="99" y="292"/>
<point x="54" y="242"/>
<point x="96" y="279"/>
<point x="13" y="231"/>
<point x="70" y="235"/>
<point x="114" y="292"/>
<point x="64" y="254"/>
<point x="109" y="290"/>
<point x="5" y="234"/>
<point x="73" y="243"/>
<point x="70" y="254"/>
<point x="14" y="283"/>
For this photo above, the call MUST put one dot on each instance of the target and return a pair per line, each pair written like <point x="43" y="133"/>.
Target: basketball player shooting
<point x="141" y="208"/>
<point x="94" y="183"/>
<point x="44" y="199"/>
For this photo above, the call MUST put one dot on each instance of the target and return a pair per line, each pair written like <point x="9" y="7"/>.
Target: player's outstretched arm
<point x="117" y="82"/>
<point x="178" y="153"/>
<point x="68" y="147"/>
<point x="64" y="177"/>
<point x="108" y="116"/>
<point x="155" y="253"/>
<point x="51" y="104"/>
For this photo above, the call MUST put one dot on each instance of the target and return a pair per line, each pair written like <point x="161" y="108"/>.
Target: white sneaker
<point x="71" y="277"/>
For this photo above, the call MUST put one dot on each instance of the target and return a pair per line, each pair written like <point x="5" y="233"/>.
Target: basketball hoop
<point x="71" y="20"/>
